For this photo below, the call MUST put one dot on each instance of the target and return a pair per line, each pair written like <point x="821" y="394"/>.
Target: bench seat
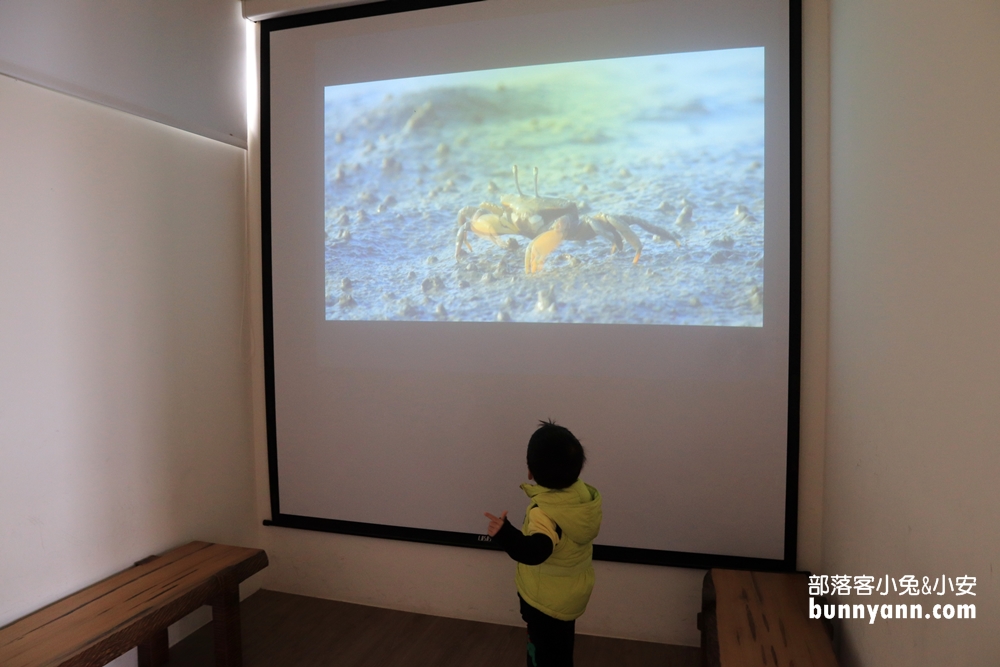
<point x="761" y="618"/>
<point x="134" y="607"/>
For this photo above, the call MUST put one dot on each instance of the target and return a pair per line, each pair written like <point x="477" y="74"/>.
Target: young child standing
<point x="554" y="547"/>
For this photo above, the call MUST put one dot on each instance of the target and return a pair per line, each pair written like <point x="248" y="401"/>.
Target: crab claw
<point x="543" y="244"/>
<point x="491" y="225"/>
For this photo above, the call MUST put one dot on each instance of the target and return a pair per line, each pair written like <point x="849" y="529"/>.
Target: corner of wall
<point x="815" y="277"/>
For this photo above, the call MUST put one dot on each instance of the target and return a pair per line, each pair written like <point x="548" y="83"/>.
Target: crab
<point x="547" y="221"/>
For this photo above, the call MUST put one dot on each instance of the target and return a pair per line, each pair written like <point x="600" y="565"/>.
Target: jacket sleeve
<point x="528" y="549"/>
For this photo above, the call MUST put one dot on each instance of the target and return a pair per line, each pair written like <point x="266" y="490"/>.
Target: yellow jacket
<point x="561" y="586"/>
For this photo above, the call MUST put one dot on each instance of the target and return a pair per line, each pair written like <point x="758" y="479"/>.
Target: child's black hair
<point x="555" y="456"/>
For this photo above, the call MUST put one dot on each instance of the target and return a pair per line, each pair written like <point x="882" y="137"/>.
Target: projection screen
<point x="481" y="215"/>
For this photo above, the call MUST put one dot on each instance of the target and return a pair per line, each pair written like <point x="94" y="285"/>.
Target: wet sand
<point x="400" y="165"/>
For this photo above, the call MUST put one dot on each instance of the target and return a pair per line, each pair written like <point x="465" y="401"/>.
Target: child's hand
<point x="496" y="523"/>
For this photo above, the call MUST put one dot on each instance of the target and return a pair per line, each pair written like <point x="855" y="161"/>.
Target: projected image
<point x="611" y="191"/>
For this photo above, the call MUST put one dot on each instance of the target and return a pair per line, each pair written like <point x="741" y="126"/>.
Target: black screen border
<point x="475" y="541"/>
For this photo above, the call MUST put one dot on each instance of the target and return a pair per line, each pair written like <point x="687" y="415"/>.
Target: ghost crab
<point x="548" y="221"/>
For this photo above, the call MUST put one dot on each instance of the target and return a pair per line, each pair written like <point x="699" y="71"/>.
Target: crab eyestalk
<point x="516" y="184"/>
<point x="536" y="182"/>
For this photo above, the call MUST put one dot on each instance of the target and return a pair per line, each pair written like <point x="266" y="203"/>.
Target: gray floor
<point x="281" y="629"/>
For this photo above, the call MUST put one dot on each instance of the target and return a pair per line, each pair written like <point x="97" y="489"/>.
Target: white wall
<point x="630" y="601"/>
<point x="123" y="408"/>
<point x="124" y="388"/>
<point x="122" y="391"/>
<point x="178" y="62"/>
<point x="912" y="451"/>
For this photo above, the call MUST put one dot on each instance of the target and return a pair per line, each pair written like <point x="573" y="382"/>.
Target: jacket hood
<point x="577" y="508"/>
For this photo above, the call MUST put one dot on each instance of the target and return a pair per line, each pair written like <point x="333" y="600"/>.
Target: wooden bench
<point x="134" y="607"/>
<point x="760" y="618"/>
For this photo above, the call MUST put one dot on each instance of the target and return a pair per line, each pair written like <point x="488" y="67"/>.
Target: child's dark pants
<point x="550" y="641"/>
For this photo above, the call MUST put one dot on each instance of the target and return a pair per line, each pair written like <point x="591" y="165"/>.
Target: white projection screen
<point x="481" y="215"/>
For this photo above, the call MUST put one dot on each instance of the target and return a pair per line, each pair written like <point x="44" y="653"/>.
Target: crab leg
<point x="606" y="231"/>
<point x="626" y="232"/>
<point x="462" y="238"/>
<point x="651" y="228"/>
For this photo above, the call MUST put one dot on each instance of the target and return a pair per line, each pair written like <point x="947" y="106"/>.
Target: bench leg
<point x="154" y="652"/>
<point x="226" y="627"/>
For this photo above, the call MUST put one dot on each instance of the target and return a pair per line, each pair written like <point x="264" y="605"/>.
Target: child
<point x="553" y="549"/>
